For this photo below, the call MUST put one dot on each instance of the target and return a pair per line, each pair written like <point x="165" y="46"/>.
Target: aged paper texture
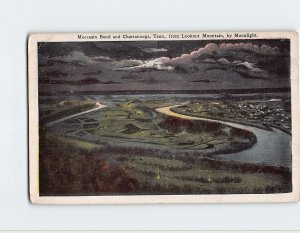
<point x="193" y="117"/>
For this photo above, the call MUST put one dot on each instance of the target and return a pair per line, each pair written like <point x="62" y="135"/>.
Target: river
<point x="272" y="147"/>
<point x="98" y="106"/>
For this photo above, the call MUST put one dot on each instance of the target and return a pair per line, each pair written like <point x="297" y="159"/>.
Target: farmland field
<point x="129" y="147"/>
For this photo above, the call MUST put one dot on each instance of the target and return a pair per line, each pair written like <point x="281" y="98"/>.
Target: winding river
<point x="98" y="106"/>
<point x="272" y="147"/>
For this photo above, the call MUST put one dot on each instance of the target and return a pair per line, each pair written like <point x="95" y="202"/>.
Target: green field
<point x="129" y="148"/>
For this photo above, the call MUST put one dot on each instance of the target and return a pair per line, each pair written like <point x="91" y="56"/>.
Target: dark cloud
<point x="93" y="72"/>
<point x="142" y="49"/>
<point x="165" y="64"/>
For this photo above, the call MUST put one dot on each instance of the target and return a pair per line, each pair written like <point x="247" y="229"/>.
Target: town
<point x="267" y="113"/>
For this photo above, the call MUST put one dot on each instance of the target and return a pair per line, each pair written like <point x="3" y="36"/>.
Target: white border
<point x="147" y="199"/>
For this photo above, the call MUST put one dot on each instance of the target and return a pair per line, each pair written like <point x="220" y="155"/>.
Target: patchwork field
<point x="130" y="148"/>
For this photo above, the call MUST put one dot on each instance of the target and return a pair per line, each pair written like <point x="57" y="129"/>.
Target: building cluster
<point x="274" y="112"/>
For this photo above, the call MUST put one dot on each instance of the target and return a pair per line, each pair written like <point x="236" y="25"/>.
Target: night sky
<point x="163" y="65"/>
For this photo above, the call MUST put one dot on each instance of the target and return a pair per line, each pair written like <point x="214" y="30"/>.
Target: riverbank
<point x="68" y="168"/>
<point x="272" y="147"/>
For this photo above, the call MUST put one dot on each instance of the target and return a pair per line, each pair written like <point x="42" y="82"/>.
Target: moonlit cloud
<point x="167" y="65"/>
<point x="124" y="64"/>
<point x="139" y="65"/>
<point x="224" y="61"/>
<point x="80" y="58"/>
<point x="211" y="53"/>
<point x="154" y="50"/>
<point x="102" y="59"/>
<point x="75" y="56"/>
<point x="240" y="57"/>
<point x="250" y="66"/>
<point x="223" y="49"/>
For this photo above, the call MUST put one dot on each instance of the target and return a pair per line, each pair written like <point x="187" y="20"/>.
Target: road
<point x="99" y="106"/>
<point x="272" y="147"/>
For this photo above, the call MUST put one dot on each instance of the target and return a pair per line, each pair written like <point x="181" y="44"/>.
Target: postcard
<point x="175" y="117"/>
